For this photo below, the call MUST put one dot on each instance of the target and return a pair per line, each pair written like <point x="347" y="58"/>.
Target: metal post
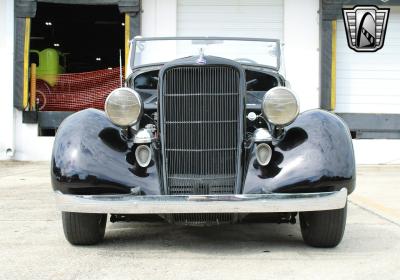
<point x="32" y="102"/>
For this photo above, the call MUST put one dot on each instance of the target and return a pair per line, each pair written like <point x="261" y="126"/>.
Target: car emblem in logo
<point x="365" y="27"/>
<point x="201" y="59"/>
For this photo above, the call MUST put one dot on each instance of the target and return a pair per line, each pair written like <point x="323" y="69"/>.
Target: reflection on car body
<point x="221" y="141"/>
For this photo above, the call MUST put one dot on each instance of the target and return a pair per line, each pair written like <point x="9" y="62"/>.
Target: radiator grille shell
<point x="201" y="121"/>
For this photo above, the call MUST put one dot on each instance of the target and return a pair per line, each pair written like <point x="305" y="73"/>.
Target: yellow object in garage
<point x="49" y="66"/>
<point x="127" y="38"/>
<point x="32" y="102"/>
<point x="26" y="58"/>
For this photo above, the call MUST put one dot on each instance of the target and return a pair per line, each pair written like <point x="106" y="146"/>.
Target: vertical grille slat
<point x="201" y="121"/>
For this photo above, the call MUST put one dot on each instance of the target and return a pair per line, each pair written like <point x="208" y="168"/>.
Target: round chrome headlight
<point x="280" y="106"/>
<point x="124" y="107"/>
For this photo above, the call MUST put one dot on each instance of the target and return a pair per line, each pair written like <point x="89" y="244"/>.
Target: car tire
<point x="84" y="228"/>
<point x="323" y="229"/>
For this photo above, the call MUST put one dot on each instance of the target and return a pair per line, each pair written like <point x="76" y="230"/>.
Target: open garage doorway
<point x="86" y="37"/>
<point x="76" y="52"/>
<point x="67" y="56"/>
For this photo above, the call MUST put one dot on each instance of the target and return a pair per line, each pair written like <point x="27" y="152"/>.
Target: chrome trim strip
<point x="139" y="38"/>
<point x="168" y="204"/>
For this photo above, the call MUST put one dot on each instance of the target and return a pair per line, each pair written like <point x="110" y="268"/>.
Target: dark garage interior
<point x="90" y="36"/>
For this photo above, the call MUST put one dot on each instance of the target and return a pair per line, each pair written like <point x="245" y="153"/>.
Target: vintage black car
<point x="205" y="131"/>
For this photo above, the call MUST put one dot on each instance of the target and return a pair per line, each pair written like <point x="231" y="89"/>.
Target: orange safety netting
<point x="77" y="91"/>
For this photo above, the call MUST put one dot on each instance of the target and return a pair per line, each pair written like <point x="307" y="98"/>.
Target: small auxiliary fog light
<point x="143" y="155"/>
<point x="263" y="154"/>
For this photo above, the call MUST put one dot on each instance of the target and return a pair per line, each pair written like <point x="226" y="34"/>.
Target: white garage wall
<point x="21" y="139"/>
<point x="369" y="82"/>
<point x="28" y="145"/>
<point x="295" y="22"/>
<point x="377" y="151"/>
<point x="300" y="34"/>
<point x="299" y="31"/>
<point x="158" y="18"/>
<point x="301" y="50"/>
<point x="6" y="78"/>
<point x="230" y="18"/>
<point x="301" y="38"/>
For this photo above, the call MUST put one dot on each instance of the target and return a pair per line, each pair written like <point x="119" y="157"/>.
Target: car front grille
<point x="200" y="126"/>
<point x="202" y="219"/>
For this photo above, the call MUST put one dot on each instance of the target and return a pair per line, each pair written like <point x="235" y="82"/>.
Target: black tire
<point x="323" y="229"/>
<point x="84" y="228"/>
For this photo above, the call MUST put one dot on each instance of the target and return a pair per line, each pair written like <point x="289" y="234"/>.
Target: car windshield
<point x="263" y="52"/>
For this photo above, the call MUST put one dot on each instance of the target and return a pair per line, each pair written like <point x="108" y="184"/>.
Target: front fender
<point x="316" y="154"/>
<point x="90" y="157"/>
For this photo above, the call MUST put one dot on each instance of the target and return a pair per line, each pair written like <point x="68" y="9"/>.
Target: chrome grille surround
<point x="201" y="121"/>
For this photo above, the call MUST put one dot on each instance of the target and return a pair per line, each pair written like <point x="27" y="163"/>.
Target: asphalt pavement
<point x="32" y="244"/>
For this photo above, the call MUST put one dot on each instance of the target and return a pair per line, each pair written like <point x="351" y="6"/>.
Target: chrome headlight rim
<point x="136" y="94"/>
<point x="296" y="113"/>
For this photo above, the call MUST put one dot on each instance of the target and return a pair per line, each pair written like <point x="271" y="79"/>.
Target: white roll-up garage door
<point x="369" y="82"/>
<point x="232" y="18"/>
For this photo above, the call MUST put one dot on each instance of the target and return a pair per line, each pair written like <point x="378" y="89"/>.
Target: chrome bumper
<point x="168" y="204"/>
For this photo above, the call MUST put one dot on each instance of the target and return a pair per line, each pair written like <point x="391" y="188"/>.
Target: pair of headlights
<point x="124" y="106"/>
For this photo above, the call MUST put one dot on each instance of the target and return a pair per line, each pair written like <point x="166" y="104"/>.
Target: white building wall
<point x="17" y="140"/>
<point x="300" y="38"/>
<point x="301" y="50"/>
<point x="28" y="145"/>
<point x="369" y="82"/>
<point x="301" y="56"/>
<point x="6" y="78"/>
<point x="159" y="18"/>
<point x="377" y="151"/>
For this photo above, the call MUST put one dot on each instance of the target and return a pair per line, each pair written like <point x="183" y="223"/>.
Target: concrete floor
<point x="32" y="245"/>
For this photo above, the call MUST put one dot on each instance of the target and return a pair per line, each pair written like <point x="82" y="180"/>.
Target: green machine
<point x="51" y="63"/>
